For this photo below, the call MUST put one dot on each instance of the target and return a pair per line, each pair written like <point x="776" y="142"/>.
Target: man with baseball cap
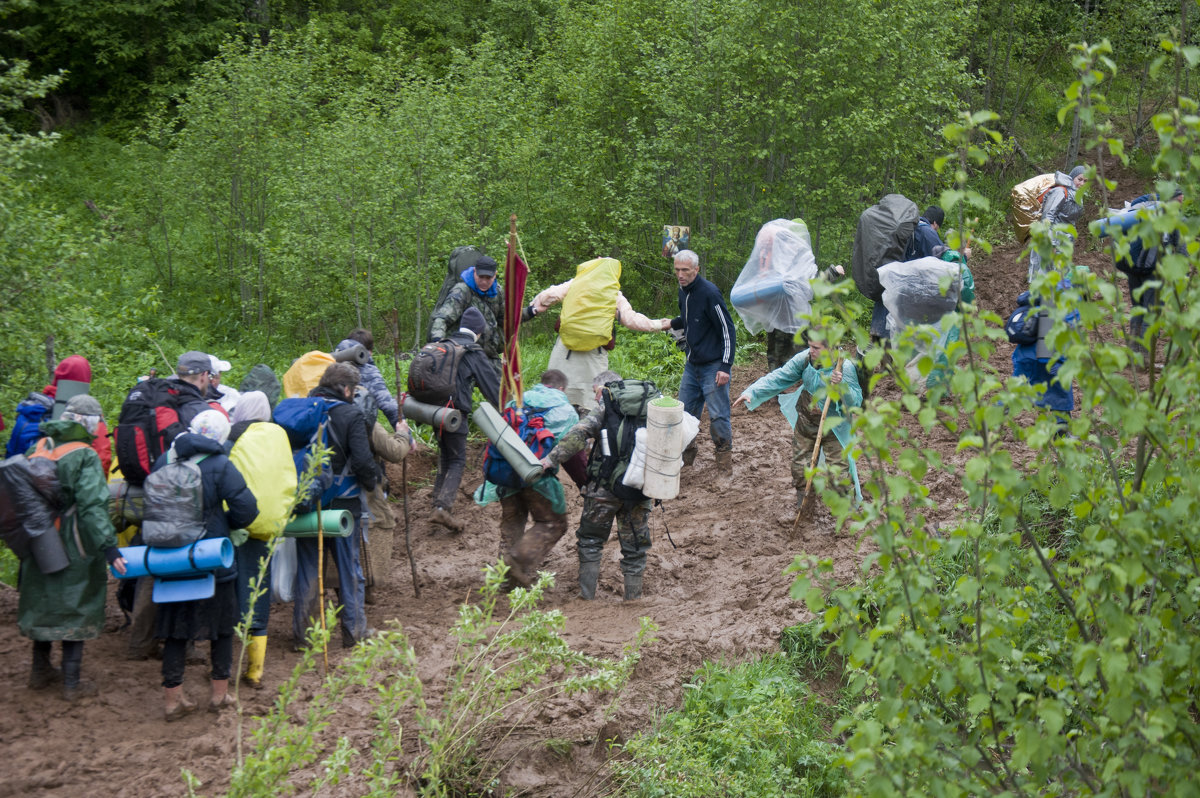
<point x="477" y="289"/>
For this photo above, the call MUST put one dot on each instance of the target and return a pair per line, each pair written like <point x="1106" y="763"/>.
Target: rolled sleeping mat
<point x="48" y="552"/>
<point x="335" y="523"/>
<point x="169" y="591"/>
<point x="664" y="448"/>
<point x="757" y="291"/>
<point x="507" y="442"/>
<point x="354" y="354"/>
<point x="66" y="391"/>
<point x="446" y="419"/>
<point x="1121" y="221"/>
<point x="186" y="561"/>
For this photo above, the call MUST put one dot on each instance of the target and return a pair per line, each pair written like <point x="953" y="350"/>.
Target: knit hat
<point x="1077" y="171"/>
<point x="485" y="266"/>
<point x="472" y="320"/>
<point x="212" y="424"/>
<point x="193" y="362"/>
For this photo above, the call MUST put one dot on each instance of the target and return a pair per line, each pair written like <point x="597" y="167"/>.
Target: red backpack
<point x="149" y="421"/>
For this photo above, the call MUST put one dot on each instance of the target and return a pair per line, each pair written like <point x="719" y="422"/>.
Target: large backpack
<point x="30" y="413"/>
<point x="625" y="404"/>
<point x="433" y="373"/>
<point x="174" y="504"/>
<point x="262" y="378"/>
<point x="1026" y="199"/>
<point x="149" y="421"/>
<point x="1021" y="326"/>
<point x="307" y="424"/>
<point x="530" y="424"/>
<point x="461" y="259"/>
<point x="30" y="498"/>
<point x="884" y="231"/>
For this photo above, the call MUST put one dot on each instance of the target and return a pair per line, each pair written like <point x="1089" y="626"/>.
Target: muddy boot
<point x="633" y="587"/>
<point x="442" y="517"/>
<point x="43" y="674"/>
<point x="589" y="575"/>
<point x="75" y="688"/>
<point x="724" y="458"/>
<point x="256" y="655"/>
<point x="220" y="698"/>
<point x="689" y="454"/>
<point x="176" y="704"/>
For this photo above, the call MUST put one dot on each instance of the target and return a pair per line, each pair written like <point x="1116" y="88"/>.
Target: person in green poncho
<point x="802" y="408"/>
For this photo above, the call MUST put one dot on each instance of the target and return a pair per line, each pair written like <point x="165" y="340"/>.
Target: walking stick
<point x="321" y="584"/>
<point x="816" y="452"/>
<point x="404" y="463"/>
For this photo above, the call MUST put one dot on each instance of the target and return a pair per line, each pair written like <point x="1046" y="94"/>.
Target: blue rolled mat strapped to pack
<point x="186" y="561"/>
<point x="760" y="290"/>
<point x="169" y="591"/>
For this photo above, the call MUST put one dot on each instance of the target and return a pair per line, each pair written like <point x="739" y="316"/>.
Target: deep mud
<point x="721" y="594"/>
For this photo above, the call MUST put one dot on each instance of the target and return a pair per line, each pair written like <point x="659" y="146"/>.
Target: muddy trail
<point x="719" y="593"/>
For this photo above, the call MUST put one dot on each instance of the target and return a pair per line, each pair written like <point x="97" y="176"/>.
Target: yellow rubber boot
<point x="257" y="653"/>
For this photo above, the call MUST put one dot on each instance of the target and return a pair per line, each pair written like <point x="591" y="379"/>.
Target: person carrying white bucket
<point x="592" y="304"/>
<point x="811" y="416"/>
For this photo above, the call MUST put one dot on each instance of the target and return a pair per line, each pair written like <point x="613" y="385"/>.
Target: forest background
<point x="256" y="178"/>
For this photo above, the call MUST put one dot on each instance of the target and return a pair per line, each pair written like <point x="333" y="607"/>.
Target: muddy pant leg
<point x="633" y="530"/>
<point x="174" y="659"/>
<point x="781" y="346"/>
<point x="595" y="526"/>
<point x="72" y="662"/>
<point x="141" y="623"/>
<point x="452" y="458"/>
<point x="535" y="545"/>
<point x="305" y="594"/>
<point x="381" y="536"/>
<point x="512" y="522"/>
<point x="251" y="556"/>
<point x="351" y="585"/>
<point x="222" y="657"/>
<point x="802" y="447"/>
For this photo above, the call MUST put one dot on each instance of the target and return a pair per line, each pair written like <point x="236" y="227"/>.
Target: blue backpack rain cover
<point x="306" y="421"/>
<point x="25" y="433"/>
<point x="530" y="424"/>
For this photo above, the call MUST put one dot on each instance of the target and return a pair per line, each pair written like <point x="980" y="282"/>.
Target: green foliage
<point x="1014" y="650"/>
<point x="746" y="730"/>
<point x="9" y="566"/>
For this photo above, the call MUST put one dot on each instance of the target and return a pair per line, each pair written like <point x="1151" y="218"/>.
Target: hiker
<point x="1141" y="267"/>
<point x="544" y="501"/>
<point x="474" y="369"/>
<point x="380" y="538"/>
<point x="369" y="375"/>
<point x="1058" y="208"/>
<point x="69" y="605"/>
<point x="926" y="236"/>
<point x="225" y="395"/>
<point x="711" y="342"/>
<point x="260" y="451"/>
<point x="38" y="406"/>
<point x="803" y="408"/>
<point x="352" y="462"/>
<point x="592" y="304"/>
<point x="1037" y="363"/>
<point x="228" y="505"/>
<point x="194" y="375"/>
<point x="601" y="506"/>
<point x="477" y="289"/>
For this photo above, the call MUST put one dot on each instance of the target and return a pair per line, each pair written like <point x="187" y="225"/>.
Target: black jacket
<point x="707" y="324"/>
<point x="474" y="369"/>
<point x="349" y="440"/>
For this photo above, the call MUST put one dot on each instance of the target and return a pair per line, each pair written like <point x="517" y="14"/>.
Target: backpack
<point x="174" y="504"/>
<point x="262" y="378"/>
<point x="433" y="374"/>
<point x="1147" y="260"/>
<point x="530" y="424"/>
<point x="461" y="259"/>
<point x="149" y="421"/>
<point x="588" y="310"/>
<point x="30" y="413"/>
<point x="883" y="233"/>
<point x="30" y="497"/>
<point x="1022" y="323"/>
<point x="1026" y="198"/>
<point x="625" y="404"/>
<point x="306" y="422"/>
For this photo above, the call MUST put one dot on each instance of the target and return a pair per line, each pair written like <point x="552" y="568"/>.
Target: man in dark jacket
<point x="474" y="368"/>
<point x="478" y="289"/>
<point x="926" y="236"/>
<point x="354" y="473"/>
<point x="711" y="342"/>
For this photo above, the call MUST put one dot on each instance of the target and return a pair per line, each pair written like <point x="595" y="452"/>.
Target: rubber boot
<point x="175" y="703"/>
<point x="589" y="575"/>
<point x="633" y="587"/>
<point x="442" y="517"/>
<point x="220" y="696"/>
<point x="43" y="674"/>
<point x="75" y="688"/>
<point x="256" y="654"/>
<point x="724" y="459"/>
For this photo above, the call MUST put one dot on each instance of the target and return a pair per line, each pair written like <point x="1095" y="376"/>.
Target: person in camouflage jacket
<point x="480" y="289"/>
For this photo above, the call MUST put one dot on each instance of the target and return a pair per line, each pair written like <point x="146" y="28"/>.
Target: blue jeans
<point x="351" y="590"/>
<point x="249" y="557"/>
<point x="698" y="389"/>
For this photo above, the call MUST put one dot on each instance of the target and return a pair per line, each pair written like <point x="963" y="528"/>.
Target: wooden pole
<point x="816" y="450"/>
<point x="412" y="565"/>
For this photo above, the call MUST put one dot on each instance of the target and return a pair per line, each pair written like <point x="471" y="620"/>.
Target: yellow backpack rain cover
<point x="305" y="373"/>
<point x="590" y="305"/>
<point x="264" y="457"/>
<point x="1026" y="203"/>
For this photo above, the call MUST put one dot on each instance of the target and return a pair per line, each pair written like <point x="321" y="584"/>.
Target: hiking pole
<point x="662" y="507"/>
<point x="321" y="586"/>
<point x="816" y="452"/>
<point x="412" y="447"/>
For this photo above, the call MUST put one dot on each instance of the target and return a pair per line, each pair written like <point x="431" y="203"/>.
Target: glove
<point x="528" y="313"/>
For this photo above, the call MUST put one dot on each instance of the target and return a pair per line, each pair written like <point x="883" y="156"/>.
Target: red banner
<point x="515" y="275"/>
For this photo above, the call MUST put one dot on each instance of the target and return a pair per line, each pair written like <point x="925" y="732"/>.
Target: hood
<point x="189" y="444"/>
<point x="544" y="396"/>
<point x="65" y="431"/>
<point x="468" y="277"/>
<point x="1064" y="179"/>
<point x="46" y="400"/>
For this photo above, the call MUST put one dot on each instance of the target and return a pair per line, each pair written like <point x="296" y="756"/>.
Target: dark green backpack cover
<point x="625" y="404"/>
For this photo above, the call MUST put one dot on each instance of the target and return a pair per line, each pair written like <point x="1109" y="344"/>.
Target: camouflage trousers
<point x="804" y="438"/>
<point x="600" y="509"/>
<point x="524" y="550"/>
<point x="781" y="347"/>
